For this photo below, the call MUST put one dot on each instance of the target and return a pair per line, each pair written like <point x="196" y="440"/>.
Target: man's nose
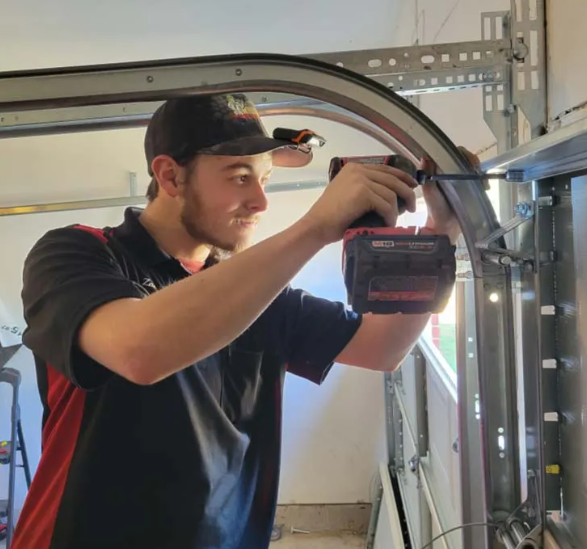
<point x="257" y="199"/>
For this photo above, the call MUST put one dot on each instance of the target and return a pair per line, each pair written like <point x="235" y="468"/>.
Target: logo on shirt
<point x="149" y="283"/>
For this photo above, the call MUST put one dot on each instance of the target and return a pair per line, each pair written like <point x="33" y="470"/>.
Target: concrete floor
<point x="308" y="541"/>
<point x="319" y="541"/>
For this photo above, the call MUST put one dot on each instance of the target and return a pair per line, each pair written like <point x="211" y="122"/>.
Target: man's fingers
<point x="438" y="207"/>
<point x="431" y="192"/>
<point x="428" y="165"/>
<point x="374" y="169"/>
<point x="394" y="191"/>
<point x="471" y="157"/>
<point x="395" y="184"/>
<point x="386" y="209"/>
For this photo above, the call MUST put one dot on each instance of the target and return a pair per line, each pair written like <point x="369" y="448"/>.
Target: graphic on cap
<point x="241" y="107"/>
<point x="219" y="124"/>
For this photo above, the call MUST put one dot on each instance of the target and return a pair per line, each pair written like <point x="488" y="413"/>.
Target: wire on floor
<point x="431" y="542"/>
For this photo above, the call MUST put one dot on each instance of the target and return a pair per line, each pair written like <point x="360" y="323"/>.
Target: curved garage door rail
<point x="83" y="98"/>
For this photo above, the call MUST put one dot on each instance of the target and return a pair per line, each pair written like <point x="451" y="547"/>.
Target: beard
<point x="202" y="227"/>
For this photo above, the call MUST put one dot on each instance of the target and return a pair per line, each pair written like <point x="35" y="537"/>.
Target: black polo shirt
<point x="189" y="462"/>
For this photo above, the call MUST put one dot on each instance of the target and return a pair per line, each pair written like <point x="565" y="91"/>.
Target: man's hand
<point x="357" y="190"/>
<point x="441" y="218"/>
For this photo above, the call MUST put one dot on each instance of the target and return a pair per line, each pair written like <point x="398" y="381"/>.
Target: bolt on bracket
<point x="503" y="256"/>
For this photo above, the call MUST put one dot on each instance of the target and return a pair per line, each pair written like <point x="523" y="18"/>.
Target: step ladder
<point x="8" y="456"/>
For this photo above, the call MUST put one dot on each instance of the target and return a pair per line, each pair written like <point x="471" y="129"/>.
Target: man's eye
<point x="240" y="178"/>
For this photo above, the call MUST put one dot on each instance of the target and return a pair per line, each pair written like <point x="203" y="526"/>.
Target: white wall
<point x="566" y="56"/>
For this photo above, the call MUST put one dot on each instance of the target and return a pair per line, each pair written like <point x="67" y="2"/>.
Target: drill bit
<point x="512" y="176"/>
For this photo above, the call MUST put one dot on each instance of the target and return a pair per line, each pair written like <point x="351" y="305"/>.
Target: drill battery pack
<point x="390" y="270"/>
<point x="397" y="270"/>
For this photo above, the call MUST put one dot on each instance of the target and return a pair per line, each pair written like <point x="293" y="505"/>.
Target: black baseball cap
<point x="219" y="124"/>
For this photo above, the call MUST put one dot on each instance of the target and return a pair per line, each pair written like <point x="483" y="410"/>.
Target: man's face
<point x="222" y="199"/>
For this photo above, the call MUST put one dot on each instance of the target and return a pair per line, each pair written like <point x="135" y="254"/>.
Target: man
<point x="161" y="366"/>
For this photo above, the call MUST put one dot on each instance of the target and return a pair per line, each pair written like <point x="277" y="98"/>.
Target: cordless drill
<point x="390" y="270"/>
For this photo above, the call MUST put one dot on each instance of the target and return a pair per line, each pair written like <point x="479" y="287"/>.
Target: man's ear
<point x="167" y="172"/>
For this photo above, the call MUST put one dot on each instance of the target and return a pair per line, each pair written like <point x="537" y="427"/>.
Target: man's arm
<point x="307" y="332"/>
<point x="313" y="333"/>
<point x="383" y="341"/>
<point x="97" y="313"/>
<point x="148" y="338"/>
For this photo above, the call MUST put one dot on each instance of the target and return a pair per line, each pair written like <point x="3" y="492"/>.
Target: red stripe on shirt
<point x="35" y="525"/>
<point x="96" y="232"/>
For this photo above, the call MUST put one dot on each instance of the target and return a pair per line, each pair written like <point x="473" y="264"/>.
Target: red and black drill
<point x="390" y="270"/>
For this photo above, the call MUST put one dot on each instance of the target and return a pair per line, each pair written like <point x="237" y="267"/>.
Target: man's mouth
<point x="246" y="223"/>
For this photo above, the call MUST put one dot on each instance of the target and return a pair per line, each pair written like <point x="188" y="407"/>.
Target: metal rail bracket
<point x="503" y="256"/>
<point x="515" y="110"/>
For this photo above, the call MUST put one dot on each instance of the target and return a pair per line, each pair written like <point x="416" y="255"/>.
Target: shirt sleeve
<point x="310" y="332"/>
<point x="68" y="274"/>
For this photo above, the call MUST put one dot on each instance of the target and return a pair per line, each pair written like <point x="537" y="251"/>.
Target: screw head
<point x="522" y="208"/>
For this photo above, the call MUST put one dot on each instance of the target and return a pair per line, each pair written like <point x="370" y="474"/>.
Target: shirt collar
<point x="136" y="238"/>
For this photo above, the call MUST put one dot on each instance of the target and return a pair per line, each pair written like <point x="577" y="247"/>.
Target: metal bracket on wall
<point x="430" y="68"/>
<point x="497" y="101"/>
<point x="409" y="71"/>
<point x="523" y="92"/>
<point x="528" y="33"/>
